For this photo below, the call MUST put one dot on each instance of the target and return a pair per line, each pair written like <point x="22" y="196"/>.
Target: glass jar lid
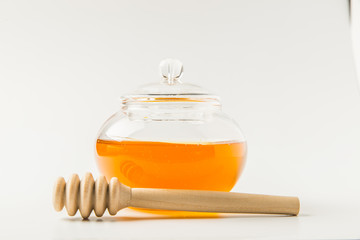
<point x="170" y="88"/>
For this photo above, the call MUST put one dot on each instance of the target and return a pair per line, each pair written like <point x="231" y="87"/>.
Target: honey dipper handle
<point x="213" y="201"/>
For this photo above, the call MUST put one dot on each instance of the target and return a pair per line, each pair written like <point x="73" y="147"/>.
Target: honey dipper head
<point x="87" y="195"/>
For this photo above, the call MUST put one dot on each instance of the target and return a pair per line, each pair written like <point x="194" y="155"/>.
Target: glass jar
<point x="173" y="135"/>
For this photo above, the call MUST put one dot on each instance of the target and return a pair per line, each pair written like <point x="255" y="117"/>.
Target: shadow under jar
<point x="171" y="135"/>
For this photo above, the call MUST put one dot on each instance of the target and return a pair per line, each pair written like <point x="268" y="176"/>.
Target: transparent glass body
<point x="171" y="136"/>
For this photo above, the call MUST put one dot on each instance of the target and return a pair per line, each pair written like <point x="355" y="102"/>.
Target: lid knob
<point x="171" y="70"/>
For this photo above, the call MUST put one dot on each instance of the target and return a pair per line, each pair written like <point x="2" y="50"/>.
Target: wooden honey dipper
<point x="87" y="195"/>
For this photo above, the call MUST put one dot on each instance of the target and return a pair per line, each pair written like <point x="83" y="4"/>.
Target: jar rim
<point x="170" y="99"/>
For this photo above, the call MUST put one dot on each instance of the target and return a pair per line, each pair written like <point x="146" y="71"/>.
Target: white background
<point x="284" y="70"/>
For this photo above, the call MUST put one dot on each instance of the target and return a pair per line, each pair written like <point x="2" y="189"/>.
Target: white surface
<point x="284" y="71"/>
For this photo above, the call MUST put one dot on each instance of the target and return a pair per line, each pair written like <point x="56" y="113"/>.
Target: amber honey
<point x="209" y="166"/>
<point x="206" y="166"/>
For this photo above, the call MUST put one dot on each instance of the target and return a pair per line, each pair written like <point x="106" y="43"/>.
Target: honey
<point x="204" y="166"/>
<point x="180" y="122"/>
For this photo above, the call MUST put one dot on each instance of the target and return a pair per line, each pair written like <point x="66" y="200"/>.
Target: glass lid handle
<point x="171" y="71"/>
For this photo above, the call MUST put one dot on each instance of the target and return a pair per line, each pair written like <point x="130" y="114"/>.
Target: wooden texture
<point x="87" y="195"/>
<point x="211" y="201"/>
